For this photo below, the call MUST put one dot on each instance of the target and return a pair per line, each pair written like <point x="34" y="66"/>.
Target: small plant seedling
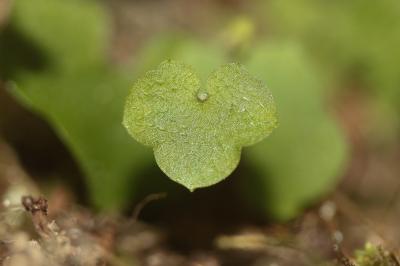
<point x="196" y="130"/>
<point x="375" y="256"/>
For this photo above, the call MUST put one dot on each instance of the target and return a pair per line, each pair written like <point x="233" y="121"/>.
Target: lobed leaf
<point x="197" y="130"/>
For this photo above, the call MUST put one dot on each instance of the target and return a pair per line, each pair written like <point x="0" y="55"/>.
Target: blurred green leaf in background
<point x="80" y="95"/>
<point x="304" y="158"/>
<point x="356" y="40"/>
<point x="203" y="56"/>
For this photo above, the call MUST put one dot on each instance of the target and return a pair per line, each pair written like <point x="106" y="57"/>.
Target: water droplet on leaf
<point x="202" y="96"/>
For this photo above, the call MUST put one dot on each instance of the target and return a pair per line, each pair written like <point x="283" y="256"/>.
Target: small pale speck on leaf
<point x="202" y="96"/>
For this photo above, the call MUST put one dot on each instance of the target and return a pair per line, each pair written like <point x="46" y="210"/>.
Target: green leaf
<point x="304" y="157"/>
<point x="197" y="130"/>
<point x="74" y="32"/>
<point x="348" y="39"/>
<point x="374" y="256"/>
<point x="80" y="95"/>
<point x="201" y="55"/>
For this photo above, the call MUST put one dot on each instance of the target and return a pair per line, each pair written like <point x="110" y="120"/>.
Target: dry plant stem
<point x="38" y="210"/>
<point x="261" y="243"/>
<point x="144" y="202"/>
<point x="332" y="227"/>
<point x="57" y="243"/>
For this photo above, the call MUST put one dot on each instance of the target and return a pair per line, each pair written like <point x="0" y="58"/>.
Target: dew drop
<point x="202" y="96"/>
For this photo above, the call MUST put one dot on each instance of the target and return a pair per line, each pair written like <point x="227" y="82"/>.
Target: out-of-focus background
<point x="323" y="189"/>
